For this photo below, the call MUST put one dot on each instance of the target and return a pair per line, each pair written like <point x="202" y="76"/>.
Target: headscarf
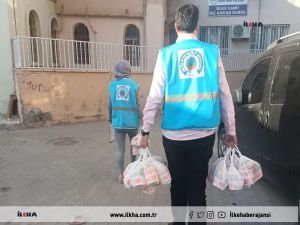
<point x="122" y="69"/>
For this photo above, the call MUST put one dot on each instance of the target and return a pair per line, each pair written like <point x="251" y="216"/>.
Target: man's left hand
<point x="230" y="140"/>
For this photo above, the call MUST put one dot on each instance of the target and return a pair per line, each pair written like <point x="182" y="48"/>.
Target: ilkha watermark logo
<point x="252" y="24"/>
<point x="26" y="214"/>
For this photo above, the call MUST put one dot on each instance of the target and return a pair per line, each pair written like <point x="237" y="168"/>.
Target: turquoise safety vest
<point x="192" y="88"/>
<point x="123" y="93"/>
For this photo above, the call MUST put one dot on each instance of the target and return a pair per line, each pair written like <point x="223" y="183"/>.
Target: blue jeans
<point x="120" y="136"/>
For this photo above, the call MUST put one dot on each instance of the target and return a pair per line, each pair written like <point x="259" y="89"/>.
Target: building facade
<point x="247" y="26"/>
<point x="74" y="35"/>
<point x="240" y="25"/>
<point x="64" y="50"/>
<point x="115" y="21"/>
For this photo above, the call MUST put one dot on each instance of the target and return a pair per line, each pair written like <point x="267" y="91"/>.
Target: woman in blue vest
<point x="124" y="110"/>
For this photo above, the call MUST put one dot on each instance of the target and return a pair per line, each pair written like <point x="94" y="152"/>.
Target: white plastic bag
<point x="235" y="179"/>
<point x="134" y="174"/>
<point x="146" y="172"/>
<point x="217" y="173"/>
<point x="162" y="171"/>
<point x="250" y="169"/>
<point x="235" y="155"/>
<point x="135" y="142"/>
<point x="160" y="159"/>
<point x="128" y="174"/>
<point x="234" y="171"/>
<point x="150" y="170"/>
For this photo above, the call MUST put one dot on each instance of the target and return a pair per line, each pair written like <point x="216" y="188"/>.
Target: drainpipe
<point x="15" y="80"/>
<point x="15" y="19"/>
<point x="258" y="19"/>
<point x="12" y="52"/>
<point x="17" y="93"/>
<point x="259" y="5"/>
<point x="145" y="23"/>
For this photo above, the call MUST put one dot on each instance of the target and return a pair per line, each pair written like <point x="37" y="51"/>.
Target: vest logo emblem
<point x="191" y="63"/>
<point x="123" y="92"/>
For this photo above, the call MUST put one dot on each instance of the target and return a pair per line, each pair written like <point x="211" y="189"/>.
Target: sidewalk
<point x="74" y="165"/>
<point x="4" y="122"/>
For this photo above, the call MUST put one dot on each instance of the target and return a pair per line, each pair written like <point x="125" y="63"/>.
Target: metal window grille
<point x="34" y="32"/>
<point x="54" y="42"/>
<point x="132" y="42"/>
<point x="261" y="37"/>
<point x="81" y="47"/>
<point x="216" y="34"/>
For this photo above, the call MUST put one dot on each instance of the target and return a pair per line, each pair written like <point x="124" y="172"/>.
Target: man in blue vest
<point x="124" y="110"/>
<point x="189" y="82"/>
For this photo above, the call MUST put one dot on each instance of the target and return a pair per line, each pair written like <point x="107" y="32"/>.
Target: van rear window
<point x="286" y="82"/>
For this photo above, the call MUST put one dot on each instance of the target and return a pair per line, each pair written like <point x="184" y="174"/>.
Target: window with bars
<point x="132" y="42"/>
<point x="216" y="34"/>
<point x="54" y="42"/>
<point x="261" y="37"/>
<point x="34" y="31"/>
<point x="81" y="47"/>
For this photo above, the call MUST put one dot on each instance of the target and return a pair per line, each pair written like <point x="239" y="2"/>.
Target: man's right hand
<point x="144" y="143"/>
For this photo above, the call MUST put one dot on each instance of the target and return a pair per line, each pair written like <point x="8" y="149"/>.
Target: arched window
<point x="54" y="43"/>
<point x="34" y="24"/>
<point x="82" y="37"/>
<point x="34" y="31"/>
<point x="132" y="42"/>
<point x="54" y="28"/>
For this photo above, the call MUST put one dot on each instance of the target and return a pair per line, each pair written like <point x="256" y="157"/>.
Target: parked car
<point x="267" y="109"/>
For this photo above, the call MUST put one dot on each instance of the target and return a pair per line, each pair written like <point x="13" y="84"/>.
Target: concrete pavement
<point x="74" y="165"/>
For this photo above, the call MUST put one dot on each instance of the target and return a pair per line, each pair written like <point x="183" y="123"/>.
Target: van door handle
<point x="267" y="120"/>
<point x="260" y="119"/>
<point x="250" y="107"/>
<point x="246" y="107"/>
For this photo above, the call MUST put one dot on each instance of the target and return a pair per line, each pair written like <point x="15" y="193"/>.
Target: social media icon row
<point x="210" y="214"/>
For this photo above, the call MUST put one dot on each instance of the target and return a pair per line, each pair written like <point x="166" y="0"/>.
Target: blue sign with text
<point x="228" y="7"/>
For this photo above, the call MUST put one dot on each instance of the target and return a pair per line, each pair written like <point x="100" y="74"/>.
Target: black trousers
<point x="188" y="165"/>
